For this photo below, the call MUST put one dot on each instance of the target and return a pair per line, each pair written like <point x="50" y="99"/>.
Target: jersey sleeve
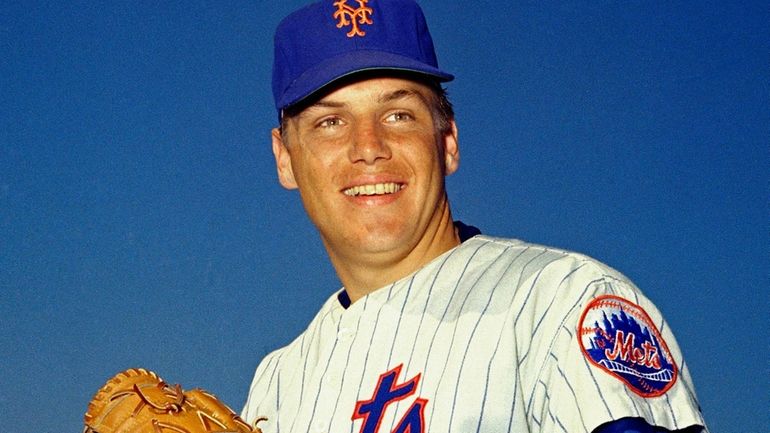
<point x="638" y="425"/>
<point x="261" y="397"/>
<point x="609" y="355"/>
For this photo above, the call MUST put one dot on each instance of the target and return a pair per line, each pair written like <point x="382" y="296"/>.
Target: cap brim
<point x="334" y="68"/>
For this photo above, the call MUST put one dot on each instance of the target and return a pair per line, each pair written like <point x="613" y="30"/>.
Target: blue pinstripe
<point x="273" y="358"/>
<point x="347" y="362"/>
<point x="550" y="347"/>
<point x="422" y="316"/>
<point x="278" y="400"/>
<point x="548" y="409"/>
<point x="598" y="390"/>
<point x="497" y="346"/>
<point x="320" y="381"/>
<point x="668" y="402"/>
<point x="314" y="334"/>
<point x="454" y="332"/>
<point x="374" y="332"/>
<point x="529" y="291"/>
<point x="398" y="324"/>
<point x="473" y="332"/>
<point x="689" y="389"/>
<point x="513" y="404"/>
<point x="633" y="401"/>
<point x="449" y="302"/>
<point x="571" y="389"/>
<point x="486" y="384"/>
<point x="545" y="313"/>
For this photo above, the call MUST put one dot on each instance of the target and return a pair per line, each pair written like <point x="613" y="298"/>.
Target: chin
<point x="382" y="239"/>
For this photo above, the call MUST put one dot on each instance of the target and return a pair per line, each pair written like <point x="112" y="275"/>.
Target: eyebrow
<point x="326" y="104"/>
<point x="319" y="104"/>
<point x="402" y="94"/>
<point x="387" y="97"/>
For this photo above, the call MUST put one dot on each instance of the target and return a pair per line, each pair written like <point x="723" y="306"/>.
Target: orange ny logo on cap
<point x="346" y="16"/>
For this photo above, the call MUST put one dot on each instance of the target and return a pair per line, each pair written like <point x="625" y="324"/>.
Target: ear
<point x="282" y="161"/>
<point x="451" y="150"/>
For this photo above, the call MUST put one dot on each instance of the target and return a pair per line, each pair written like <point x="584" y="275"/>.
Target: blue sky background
<point x="141" y="223"/>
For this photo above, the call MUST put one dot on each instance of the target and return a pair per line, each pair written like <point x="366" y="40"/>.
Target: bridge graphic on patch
<point x="661" y="376"/>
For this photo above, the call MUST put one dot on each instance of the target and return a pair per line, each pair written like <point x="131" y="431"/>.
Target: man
<point x="437" y="328"/>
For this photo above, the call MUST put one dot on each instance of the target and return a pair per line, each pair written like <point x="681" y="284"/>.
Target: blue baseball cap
<point x="332" y="39"/>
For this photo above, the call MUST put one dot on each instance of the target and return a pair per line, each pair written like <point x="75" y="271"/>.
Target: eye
<point x="399" y="116"/>
<point x="330" y="122"/>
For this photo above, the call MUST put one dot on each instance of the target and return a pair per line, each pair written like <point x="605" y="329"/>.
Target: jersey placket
<point x="331" y="369"/>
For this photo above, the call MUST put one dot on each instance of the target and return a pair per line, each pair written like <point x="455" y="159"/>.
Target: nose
<point x="369" y="144"/>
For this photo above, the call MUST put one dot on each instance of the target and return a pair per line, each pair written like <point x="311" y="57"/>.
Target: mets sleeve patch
<point x="620" y="338"/>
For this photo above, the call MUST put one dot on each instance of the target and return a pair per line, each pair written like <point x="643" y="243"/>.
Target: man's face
<point x="369" y="165"/>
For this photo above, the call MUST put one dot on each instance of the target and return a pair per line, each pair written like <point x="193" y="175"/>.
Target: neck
<point x="362" y="274"/>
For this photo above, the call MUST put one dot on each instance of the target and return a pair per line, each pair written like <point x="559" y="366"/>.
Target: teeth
<point x="375" y="189"/>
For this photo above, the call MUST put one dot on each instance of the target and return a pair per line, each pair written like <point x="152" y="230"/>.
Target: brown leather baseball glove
<point x="138" y="401"/>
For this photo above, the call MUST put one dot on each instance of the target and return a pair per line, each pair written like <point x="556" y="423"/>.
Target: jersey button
<point x="345" y="335"/>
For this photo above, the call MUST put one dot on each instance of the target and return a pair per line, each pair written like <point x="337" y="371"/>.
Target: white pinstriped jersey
<point x="488" y="337"/>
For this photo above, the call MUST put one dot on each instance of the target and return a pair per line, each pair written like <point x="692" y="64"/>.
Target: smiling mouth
<point x="374" y="189"/>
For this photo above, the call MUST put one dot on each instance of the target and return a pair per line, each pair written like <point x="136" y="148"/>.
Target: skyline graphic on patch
<point x="619" y="337"/>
